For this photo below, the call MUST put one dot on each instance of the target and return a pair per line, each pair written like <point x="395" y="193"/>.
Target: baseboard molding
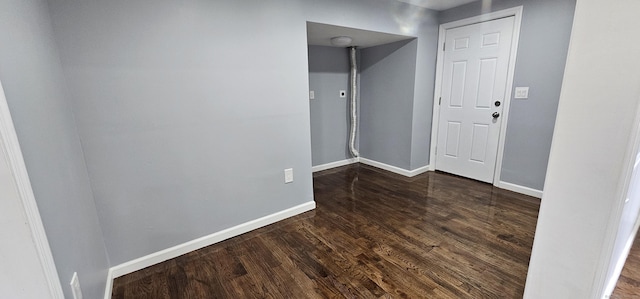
<point x="335" y="164"/>
<point x="419" y="170"/>
<point x="394" y="169"/>
<point x="178" y="250"/>
<point x="109" y="287"/>
<point x="519" y="189"/>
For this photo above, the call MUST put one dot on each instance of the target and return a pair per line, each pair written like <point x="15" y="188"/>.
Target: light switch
<point x="312" y="95"/>
<point x="521" y="93"/>
<point x="288" y="175"/>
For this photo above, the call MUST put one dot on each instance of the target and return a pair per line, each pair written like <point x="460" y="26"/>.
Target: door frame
<point x="515" y="12"/>
<point x="18" y="169"/>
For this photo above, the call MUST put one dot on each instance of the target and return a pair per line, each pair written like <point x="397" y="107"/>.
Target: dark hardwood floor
<point x="628" y="285"/>
<point x="374" y="234"/>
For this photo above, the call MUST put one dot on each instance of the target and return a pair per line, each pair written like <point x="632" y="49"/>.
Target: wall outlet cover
<point x="288" y="175"/>
<point x="75" y="286"/>
<point x="312" y="95"/>
<point x="522" y="93"/>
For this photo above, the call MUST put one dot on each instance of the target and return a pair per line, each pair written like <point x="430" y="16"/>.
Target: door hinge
<point x="439" y="101"/>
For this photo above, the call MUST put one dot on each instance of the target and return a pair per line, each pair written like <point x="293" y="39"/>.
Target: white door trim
<point x="600" y="287"/>
<point x="19" y="170"/>
<point x="516" y="12"/>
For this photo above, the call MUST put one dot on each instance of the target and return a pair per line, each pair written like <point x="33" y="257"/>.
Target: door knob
<point x="495" y="115"/>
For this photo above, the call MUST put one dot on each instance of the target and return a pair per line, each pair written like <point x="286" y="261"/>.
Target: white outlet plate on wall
<point x="521" y="93"/>
<point x="312" y="95"/>
<point x="288" y="175"/>
<point x="75" y="286"/>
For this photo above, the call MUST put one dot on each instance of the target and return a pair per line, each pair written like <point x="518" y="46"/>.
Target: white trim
<point x="516" y="12"/>
<point x="437" y="92"/>
<point x="178" y="250"/>
<point x="19" y="171"/>
<point x="419" y="170"/>
<point x="611" y="284"/>
<point x="394" y="169"/>
<point x="519" y="189"/>
<point x="599" y="287"/>
<point x="109" y="286"/>
<point x="335" y="164"/>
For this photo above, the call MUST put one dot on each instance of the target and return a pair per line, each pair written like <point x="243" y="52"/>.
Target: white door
<point x="474" y="80"/>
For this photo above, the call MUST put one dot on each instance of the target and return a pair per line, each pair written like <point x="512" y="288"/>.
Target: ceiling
<point x="437" y="4"/>
<point x="321" y="34"/>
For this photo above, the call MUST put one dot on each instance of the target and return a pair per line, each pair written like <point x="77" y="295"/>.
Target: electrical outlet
<point x="288" y="175"/>
<point x="75" y="286"/>
<point x="312" y="95"/>
<point x="343" y="93"/>
<point x="521" y="93"/>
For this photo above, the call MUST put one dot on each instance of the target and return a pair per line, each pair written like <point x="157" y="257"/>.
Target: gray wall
<point x="330" y="124"/>
<point x="542" y="52"/>
<point x="423" y="91"/>
<point x="188" y="114"/>
<point x="386" y="102"/>
<point x="34" y="86"/>
<point x="189" y="111"/>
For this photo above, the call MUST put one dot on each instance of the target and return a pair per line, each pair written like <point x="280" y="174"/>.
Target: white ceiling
<point x="438" y="4"/>
<point x="321" y="34"/>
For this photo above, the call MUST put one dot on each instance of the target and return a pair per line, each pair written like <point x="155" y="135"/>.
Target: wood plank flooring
<point x="628" y="285"/>
<point x="374" y="234"/>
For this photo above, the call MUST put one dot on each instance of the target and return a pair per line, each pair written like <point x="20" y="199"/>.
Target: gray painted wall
<point x="386" y="102"/>
<point x="542" y="51"/>
<point x="330" y="124"/>
<point x="423" y="91"/>
<point x="188" y="114"/>
<point x="189" y="111"/>
<point x="35" y="89"/>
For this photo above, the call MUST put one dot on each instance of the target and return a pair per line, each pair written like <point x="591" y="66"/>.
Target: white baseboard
<point x="419" y="170"/>
<point x="178" y="250"/>
<point x="109" y="287"/>
<point x="334" y="164"/>
<point x="387" y="167"/>
<point x="394" y="169"/>
<point x="519" y="189"/>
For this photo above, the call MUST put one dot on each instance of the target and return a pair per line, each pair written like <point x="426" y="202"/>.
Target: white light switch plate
<point x="522" y="93"/>
<point x="288" y="175"/>
<point x="312" y="95"/>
